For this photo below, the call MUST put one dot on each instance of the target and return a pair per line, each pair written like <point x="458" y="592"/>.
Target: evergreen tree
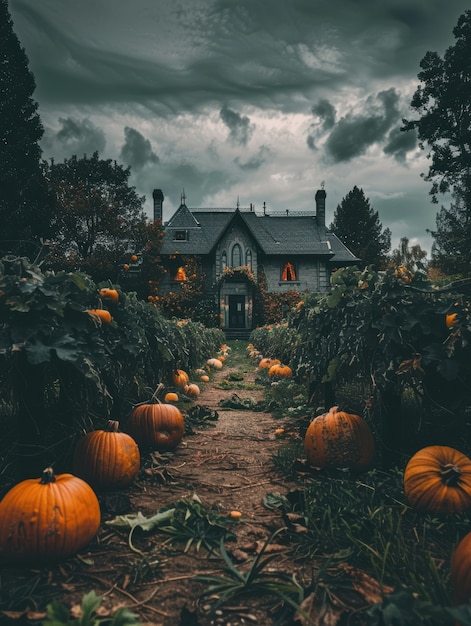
<point x="98" y="219"/>
<point x="358" y="227"/>
<point x="443" y="102"/>
<point x="451" y="249"/>
<point x="24" y="212"/>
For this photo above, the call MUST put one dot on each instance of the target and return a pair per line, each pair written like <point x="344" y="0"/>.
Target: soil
<point x="227" y="463"/>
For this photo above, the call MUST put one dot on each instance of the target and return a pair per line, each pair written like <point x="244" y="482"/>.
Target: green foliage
<point x="61" y="367"/>
<point x="23" y="201"/>
<point x="443" y="103"/>
<point x="58" y="615"/>
<point x="98" y="218"/>
<point x="236" y="583"/>
<point x="358" y="227"/>
<point x="388" y="330"/>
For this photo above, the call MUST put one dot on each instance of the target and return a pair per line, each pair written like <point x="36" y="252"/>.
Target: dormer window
<point x="288" y="272"/>
<point x="180" y="235"/>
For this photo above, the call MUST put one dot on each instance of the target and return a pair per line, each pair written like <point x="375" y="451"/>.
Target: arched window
<point x="224" y="260"/>
<point x="236" y="256"/>
<point x="180" y="275"/>
<point x="288" y="273"/>
<point x="248" y="258"/>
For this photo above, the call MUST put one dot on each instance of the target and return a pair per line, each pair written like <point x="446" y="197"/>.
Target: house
<point x="237" y="247"/>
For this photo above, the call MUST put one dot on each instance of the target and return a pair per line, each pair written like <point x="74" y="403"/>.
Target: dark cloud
<point x="137" y="150"/>
<point x="400" y="143"/>
<point x="255" y="162"/>
<point x="325" y="113"/>
<point x="240" y="128"/>
<point x="74" y="137"/>
<point x="355" y="133"/>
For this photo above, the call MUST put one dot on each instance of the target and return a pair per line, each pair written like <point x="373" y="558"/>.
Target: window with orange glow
<point x="180" y="275"/>
<point x="288" y="273"/>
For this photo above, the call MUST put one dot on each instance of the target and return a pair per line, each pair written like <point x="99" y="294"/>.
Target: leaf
<point x="138" y="520"/>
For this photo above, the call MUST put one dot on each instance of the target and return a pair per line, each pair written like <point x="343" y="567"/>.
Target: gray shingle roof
<point x="280" y="235"/>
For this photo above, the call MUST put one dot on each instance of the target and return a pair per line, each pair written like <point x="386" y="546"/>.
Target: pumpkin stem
<point x="450" y="474"/>
<point x="112" y="426"/>
<point x="48" y="476"/>
<point x="154" y="397"/>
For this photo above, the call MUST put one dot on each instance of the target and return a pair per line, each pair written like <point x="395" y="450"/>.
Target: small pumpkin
<point x="158" y="426"/>
<point x="339" y="439"/>
<point x="204" y="378"/>
<point x="192" y="390"/>
<point x="280" y="371"/>
<point x="180" y="378"/>
<point x="47" y="518"/>
<point x="266" y="363"/>
<point x="171" y="396"/>
<point x="134" y="258"/>
<point x="107" y="459"/>
<point x="437" y="479"/>
<point x="451" y="319"/>
<point x="102" y="314"/>
<point x="215" y="363"/>
<point x="460" y="570"/>
<point x="109" y="294"/>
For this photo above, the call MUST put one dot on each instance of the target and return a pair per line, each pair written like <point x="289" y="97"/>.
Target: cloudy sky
<point x="242" y="100"/>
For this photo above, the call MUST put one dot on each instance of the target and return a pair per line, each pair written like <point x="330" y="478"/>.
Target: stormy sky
<point x="242" y="100"/>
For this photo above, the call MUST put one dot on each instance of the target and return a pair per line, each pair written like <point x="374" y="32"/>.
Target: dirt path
<point x="228" y="466"/>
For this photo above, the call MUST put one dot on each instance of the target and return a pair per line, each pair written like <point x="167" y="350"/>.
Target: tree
<point x="358" y="227"/>
<point x="410" y="257"/>
<point x="451" y="249"/>
<point x="24" y="211"/>
<point x="443" y="102"/>
<point x="98" y="220"/>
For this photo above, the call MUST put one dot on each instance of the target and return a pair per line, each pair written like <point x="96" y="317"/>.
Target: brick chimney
<point x="158" y="204"/>
<point x="320" y="210"/>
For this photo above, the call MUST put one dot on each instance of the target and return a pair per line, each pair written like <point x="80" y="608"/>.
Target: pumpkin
<point x="451" y="319"/>
<point x="460" y="570"/>
<point x="192" y="390"/>
<point x="266" y="363"/>
<point x="48" y="518"/>
<point x="280" y="371"/>
<point x="158" y="426"/>
<point x="102" y="314"/>
<point x="437" y="479"/>
<point x="107" y="459"/>
<point x="200" y="372"/>
<point x="339" y="439"/>
<point x="204" y="378"/>
<point x="171" y="397"/>
<point x="180" y="378"/>
<point x="216" y="363"/>
<point x="134" y="258"/>
<point x="109" y="294"/>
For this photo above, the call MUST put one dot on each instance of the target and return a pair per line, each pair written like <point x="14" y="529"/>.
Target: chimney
<point x="158" y="204"/>
<point x="320" y="210"/>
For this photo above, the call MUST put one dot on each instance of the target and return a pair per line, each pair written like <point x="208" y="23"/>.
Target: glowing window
<point x="180" y="275"/>
<point x="224" y="260"/>
<point x="236" y="255"/>
<point x="288" y="273"/>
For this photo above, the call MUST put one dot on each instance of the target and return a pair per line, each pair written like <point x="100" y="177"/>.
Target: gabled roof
<point x="275" y="235"/>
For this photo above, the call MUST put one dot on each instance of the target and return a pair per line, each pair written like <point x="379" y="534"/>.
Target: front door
<point x="236" y="311"/>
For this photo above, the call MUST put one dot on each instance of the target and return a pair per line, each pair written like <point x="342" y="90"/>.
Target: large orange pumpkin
<point x="48" y="518"/>
<point x="339" y="439"/>
<point x="461" y="571"/>
<point x="157" y="426"/>
<point x="107" y="459"/>
<point x="437" y="479"/>
<point x="180" y="378"/>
